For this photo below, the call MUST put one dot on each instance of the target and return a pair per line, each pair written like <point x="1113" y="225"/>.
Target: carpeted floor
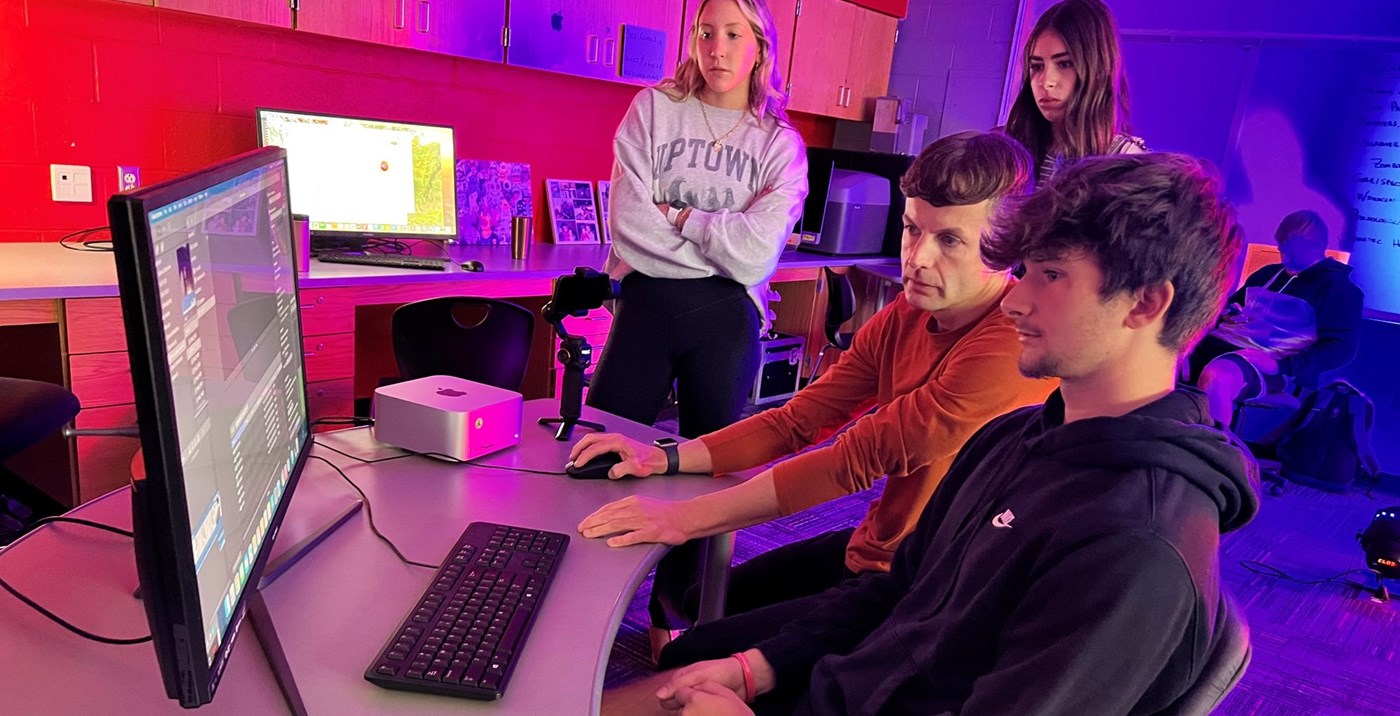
<point x="1320" y="649"/>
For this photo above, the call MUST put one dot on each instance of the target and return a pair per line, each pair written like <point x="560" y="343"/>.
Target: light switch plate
<point x="71" y="182"/>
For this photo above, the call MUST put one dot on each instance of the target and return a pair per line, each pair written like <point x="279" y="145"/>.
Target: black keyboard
<point x="385" y="260"/>
<point x="464" y="636"/>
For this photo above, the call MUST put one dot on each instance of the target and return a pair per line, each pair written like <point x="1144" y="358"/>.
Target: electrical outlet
<point x="71" y="182"/>
<point x="128" y="178"/>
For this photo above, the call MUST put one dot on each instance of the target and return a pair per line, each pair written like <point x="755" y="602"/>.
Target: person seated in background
<point x="1068" y="563"/>
<point x="936" y="364"/>
<point x="1290" y="322"/>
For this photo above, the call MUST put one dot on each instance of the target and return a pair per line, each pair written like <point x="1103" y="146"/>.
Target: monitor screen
<point x="209" y="300"/>
<point x="367" y="177"/>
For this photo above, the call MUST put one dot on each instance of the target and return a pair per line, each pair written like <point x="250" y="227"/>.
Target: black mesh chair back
<point x="478" y="339"/>
<point x="840" y="306"/>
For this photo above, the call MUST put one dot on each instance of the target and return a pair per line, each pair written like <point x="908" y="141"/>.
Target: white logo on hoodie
<point x="1003" y="519"/>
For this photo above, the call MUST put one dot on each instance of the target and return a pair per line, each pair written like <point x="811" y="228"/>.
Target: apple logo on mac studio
<point x="450" y="392"/>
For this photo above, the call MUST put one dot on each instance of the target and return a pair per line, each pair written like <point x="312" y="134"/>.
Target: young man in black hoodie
<point x="1225" y="364"/>
<point x="1068" y="562"/>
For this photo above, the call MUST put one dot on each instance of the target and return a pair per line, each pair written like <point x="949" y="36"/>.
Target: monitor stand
<point x="261" y="620"/>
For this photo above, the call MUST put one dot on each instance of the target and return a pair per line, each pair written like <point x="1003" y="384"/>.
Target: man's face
<point x="942" y="264"/>
<point x="1066" y="330"/>
<point x="1300" y="252"/>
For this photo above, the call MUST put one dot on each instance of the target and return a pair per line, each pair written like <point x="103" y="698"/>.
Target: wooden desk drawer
<point x="94" y="325"/>
<point x="27" y="313"/>
<point x="329" y="357"/>
<point x="325" y="312"/>
<point x="104" y="463"/>
<point x="100" y="379"/>
<point x="330" y="398"/>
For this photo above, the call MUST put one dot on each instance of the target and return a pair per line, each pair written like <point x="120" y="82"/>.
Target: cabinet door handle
<point x="400" y="13"/>
<point x="840" y="93"/>
<point x="591" y="51"/>
<point x="609" y="52"/>
<point x="308" y="354"/>
<point x="847" y="101"/>
<point x="425" y="16"/>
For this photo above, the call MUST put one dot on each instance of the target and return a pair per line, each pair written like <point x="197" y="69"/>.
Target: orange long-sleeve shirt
<point x="931" y="389"/>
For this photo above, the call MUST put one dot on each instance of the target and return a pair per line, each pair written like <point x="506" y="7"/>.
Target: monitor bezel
<point x="328" y="234"/>
<point x="161" y="523"/>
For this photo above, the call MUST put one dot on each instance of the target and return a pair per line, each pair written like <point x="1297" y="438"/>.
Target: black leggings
<point x="700" y="333"/>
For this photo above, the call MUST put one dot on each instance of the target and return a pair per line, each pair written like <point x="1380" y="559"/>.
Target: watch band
<point x="673" y="455"/>
<point x="672" y="214"/>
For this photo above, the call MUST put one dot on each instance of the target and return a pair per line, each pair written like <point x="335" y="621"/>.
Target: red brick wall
<point x="102" y="83"/>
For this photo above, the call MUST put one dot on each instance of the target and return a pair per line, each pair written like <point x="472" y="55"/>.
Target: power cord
<point x="449" y="458"/>
<point x="60" y="620"/>
<point x="1269" y="570"/>
<point x="369" y="513"/>
<point x="103" y="245"/>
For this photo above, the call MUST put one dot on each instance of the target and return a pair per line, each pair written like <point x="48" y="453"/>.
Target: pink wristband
<point x="748" y="676"/>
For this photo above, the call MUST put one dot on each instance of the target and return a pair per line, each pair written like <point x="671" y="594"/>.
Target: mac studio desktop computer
<point x="209" y="301"/>
<point x="365" y="181"/>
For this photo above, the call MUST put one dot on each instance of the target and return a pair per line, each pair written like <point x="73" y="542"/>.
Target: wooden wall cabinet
<point x="262" y="12"/>
<point x="841" y="58"/>
<point x="465" y="28"/>
<point x="585" y="37"/>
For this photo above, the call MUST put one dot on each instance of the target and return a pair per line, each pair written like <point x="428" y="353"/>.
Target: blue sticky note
<point x="643" y="53"/>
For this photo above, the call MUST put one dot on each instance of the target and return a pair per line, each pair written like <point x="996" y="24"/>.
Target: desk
<point x="335" y="608"/>
<point x="345" y="314"/>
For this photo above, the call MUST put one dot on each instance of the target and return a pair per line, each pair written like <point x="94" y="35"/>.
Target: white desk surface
<point x="48" y="271"/>
<point x="335" y="608"/>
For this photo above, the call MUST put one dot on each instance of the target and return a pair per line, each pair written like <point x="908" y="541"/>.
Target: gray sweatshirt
<point x="745" y="196"/>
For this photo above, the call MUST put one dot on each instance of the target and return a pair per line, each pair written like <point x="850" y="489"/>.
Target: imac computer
<point x="209" y="298"/>
<point x="357" y="178"/>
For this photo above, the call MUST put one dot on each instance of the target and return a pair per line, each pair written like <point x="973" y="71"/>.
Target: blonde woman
<point x="708" y="180"/>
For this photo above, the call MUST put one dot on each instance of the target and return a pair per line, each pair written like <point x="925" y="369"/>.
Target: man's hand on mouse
<point x="637" y="520"/>
<point x="638" y="458"/>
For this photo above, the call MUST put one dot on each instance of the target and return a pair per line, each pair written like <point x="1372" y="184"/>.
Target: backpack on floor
<point x="1327" y="443"/>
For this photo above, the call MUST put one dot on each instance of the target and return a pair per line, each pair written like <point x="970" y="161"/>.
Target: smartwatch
<point x="674" y="213"/>
<point x="673" y="455"/>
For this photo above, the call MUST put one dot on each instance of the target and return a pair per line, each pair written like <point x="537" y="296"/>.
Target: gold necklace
<point x="719" y="141"/>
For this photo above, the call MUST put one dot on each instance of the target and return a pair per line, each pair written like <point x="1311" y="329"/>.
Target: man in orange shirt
<point x="936" y="365"/>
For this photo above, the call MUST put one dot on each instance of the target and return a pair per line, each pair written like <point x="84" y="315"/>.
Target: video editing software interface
<point x="226" y="284"/>
<point x="367" y="176"/>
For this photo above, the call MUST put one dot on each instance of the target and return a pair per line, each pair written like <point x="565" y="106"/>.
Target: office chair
<point x="30" y="410"/>
<point x="1225" y="665"/>
<point x="840" y="306"/>
<point x="478" y="339"/>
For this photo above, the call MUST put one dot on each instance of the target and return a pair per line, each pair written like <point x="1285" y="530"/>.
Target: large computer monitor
<point x="355" y="177"/>
<point x="209" y="299"/>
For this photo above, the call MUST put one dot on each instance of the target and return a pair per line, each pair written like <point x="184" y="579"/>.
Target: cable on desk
<point x="60" y="620"/>
<point x="103" y="245"/>
<point x="369" y="513"/>
<point x="449" y="458"/>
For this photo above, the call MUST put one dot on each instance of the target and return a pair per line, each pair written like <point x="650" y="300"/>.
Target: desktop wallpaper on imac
<point x="354" y="176"/>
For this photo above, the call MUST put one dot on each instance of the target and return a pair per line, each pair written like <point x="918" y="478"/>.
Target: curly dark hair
<point x="969" y="168"/>
<point x="1147" y="219"/>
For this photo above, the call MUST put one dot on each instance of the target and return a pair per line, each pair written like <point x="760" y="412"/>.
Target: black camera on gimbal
<point x="574" y="295"/>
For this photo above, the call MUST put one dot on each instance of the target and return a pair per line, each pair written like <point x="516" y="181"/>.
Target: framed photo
<point x="488" y="195"/>
<point x="604" y="229"/>
<point x="573" y="217"/>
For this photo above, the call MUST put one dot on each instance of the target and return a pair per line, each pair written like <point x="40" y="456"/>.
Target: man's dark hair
<point x="1146" y="219"/>
<point x="969" y="168"/>
<point x="1306" y="225"/>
